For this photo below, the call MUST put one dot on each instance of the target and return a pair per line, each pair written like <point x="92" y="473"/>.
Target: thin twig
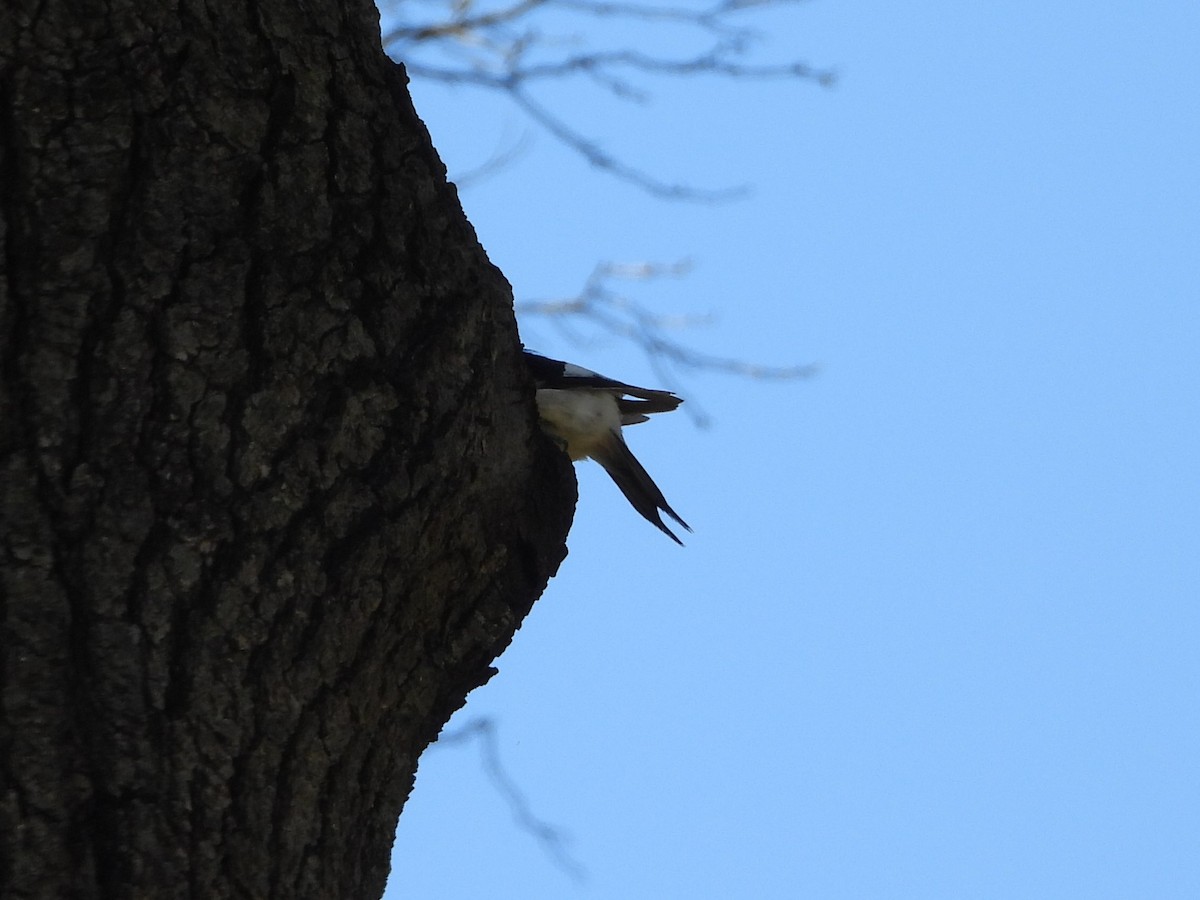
<point x="505" y="50"/>
<point x="609" y="313"/>
<point x="552" y="839"/>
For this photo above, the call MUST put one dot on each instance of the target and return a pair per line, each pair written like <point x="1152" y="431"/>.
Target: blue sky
<point x="937" y="632"/>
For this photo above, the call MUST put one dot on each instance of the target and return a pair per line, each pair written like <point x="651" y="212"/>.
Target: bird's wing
<point x="554" y="374"/>
<point x="635" y="483"/>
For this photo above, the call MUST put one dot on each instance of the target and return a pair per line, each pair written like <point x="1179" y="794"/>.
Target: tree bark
<point x="272" y="495"/>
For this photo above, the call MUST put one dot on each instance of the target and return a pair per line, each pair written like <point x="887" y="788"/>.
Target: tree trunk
<point x="272" y="495"/>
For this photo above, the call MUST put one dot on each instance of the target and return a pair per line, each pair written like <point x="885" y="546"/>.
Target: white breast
<point x="581" y="419"/>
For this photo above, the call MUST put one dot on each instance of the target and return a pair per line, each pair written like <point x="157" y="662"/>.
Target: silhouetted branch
<point x="603" y="310"/>
<point x="552" y="839"/>
<point x="601" y="160"/>
<point x="463" y="23"/>
<point x="511" y="48"/>
<point x="500" y="160"/>
<point x="714" y="62"/>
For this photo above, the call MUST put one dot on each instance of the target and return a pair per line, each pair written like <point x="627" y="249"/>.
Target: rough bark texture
<point x="271" y="492"/>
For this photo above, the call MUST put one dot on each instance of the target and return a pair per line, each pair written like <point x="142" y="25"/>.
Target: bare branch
<point x="552" y="839"/>
<point x="714" y="62"/>
<point x="501" y="159"/>
<point x="462" y="24"/>
<point x="505" y="50"/>
<point x="711" y="19"/>
<point x="604" y="161"/>
<point x="607" y="313"/>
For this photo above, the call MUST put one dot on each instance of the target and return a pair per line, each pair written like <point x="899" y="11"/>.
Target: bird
<point x="584" y="412"/>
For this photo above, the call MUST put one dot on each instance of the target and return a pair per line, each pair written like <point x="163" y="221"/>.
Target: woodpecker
<point x="584" y="412"/>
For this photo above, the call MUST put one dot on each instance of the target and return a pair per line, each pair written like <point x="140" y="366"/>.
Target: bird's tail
<point x="635" y="483"/>
<point x="648" y="402"/>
